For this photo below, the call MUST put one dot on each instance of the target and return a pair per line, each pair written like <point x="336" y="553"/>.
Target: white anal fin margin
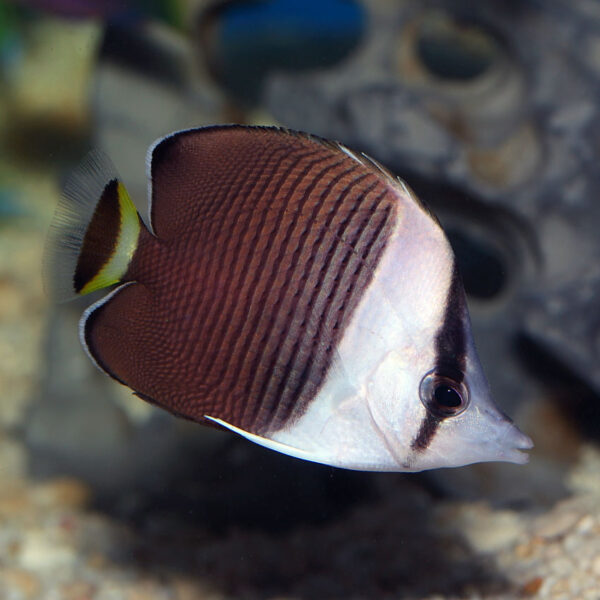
<point x="268" y="443"/>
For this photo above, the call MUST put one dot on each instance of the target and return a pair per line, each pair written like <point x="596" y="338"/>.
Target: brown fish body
<point x="241" y="298"/>
<point x="288" y="289"/>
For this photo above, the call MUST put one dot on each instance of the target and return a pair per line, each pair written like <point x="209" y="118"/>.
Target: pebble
<point x="551" y="526"/>
<point x="187" y="589"/>
<point x="596" y="565"/>
<point x="64" y="492"/>
<point x="14" y="500"/>
<point x="53" y="545"/>
<point x="39" y="552"/>
<point x="531" y="587"/>
<point x="585" y="524"/>
<point x="21" y="323"/>
<point x="78" y="590"/>
<point x="485" y="529"/>
<point x="146" y="590"/>
<point x="584" y="477"/>
<point x="24" y="583"/>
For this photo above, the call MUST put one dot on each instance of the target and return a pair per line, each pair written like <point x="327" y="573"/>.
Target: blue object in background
<point x="245" y="39"/>
<point x="10" y="208"/>
<point x="11" y="46"/>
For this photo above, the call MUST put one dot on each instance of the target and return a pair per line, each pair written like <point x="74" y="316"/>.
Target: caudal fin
<point x="94" y="233"/>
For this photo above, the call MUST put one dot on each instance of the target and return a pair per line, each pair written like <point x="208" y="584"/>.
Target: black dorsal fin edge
<point x="161" y="144"/>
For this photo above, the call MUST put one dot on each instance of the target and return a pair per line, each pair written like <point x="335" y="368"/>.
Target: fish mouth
<point x="514" y="445"/>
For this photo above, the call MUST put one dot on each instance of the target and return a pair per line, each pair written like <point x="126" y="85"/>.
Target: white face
<point x="407" y="392"/>
<point x="430" y="421"/>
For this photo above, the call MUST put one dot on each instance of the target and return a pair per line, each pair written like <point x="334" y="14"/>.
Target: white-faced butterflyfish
<point x="288" y="289"/>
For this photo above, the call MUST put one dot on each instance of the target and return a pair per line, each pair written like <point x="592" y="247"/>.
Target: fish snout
<point x="512" y="444"/>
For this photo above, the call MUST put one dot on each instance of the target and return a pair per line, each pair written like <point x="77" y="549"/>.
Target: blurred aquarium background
<point x="491" y="111"/>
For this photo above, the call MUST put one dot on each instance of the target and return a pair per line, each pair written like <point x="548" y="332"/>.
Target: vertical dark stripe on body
<point x="302" y="359"/>
<point x="249" y="280"/>
<point x="450" y="352"/>
<point x="264" y="297"/>
<point x="307" y="225"/>
<point x="330" y="310"/>
<point x="221" y="314"/>
<point x="219" y="212"/>
<point x="101" y="237"/>
<point x="277" y="354"/>
<point x="426" y="432"/>
<point x="281" y="275"/>
<point x="451" y="342"/>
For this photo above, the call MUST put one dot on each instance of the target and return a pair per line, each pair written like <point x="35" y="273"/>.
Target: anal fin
<point x="267" y="442"/>
<point x="112" y="331"/>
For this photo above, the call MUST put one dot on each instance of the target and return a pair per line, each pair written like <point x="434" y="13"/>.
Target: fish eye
<point x="443" y="396"/>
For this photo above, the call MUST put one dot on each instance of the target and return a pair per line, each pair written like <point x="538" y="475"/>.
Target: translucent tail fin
<point x="94" y="233"/>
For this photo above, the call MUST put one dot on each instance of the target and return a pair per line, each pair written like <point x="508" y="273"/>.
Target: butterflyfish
<point x="288" y="289"/>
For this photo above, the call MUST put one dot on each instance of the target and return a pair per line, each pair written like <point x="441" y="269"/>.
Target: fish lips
<point x="513" y="444"/>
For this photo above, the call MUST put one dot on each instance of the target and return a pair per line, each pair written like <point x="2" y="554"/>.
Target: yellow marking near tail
<point x="129" y="231"/>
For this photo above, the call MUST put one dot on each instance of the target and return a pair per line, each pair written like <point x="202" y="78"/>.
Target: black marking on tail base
<point x="101" y="237"/>
<point x="451" y="341"/>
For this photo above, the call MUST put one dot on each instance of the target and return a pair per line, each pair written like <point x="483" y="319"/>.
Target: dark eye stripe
<point x="426" y="432"/>
<point x="451" y="342"/>
<point x="450" y="352"/>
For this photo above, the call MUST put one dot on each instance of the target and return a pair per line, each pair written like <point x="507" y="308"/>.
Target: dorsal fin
<point x="182" y="165"/>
